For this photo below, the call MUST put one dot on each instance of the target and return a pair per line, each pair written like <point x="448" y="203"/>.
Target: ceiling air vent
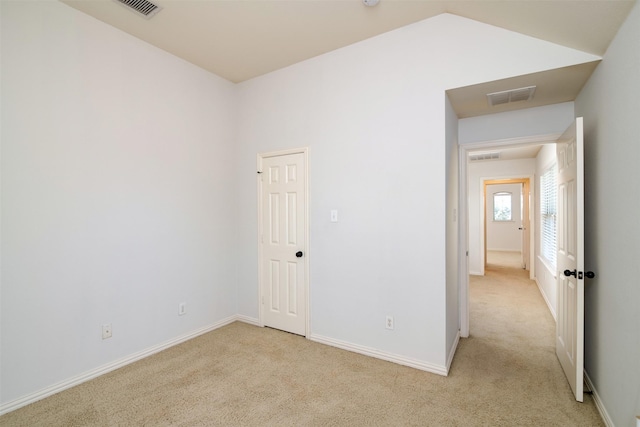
<point x="484" y="156"/>
<point x="142" y="7"/>
<point x="513" y="95"/>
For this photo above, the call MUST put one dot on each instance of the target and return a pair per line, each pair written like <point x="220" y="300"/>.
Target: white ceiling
<point x="552" y="87"/>
<point x="242" y="39"/>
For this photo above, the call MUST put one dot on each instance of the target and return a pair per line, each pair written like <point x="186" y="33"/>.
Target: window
<point x="548" y="203"/>
<point x="502" y="206"/>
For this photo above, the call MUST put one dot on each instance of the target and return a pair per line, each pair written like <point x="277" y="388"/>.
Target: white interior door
<point x="524" y="223"/>
<point x="570" y="260"/>
<point x="283" y="242"/>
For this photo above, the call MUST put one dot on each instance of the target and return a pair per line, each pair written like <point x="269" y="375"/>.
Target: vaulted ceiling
<point x="242" y="39"/>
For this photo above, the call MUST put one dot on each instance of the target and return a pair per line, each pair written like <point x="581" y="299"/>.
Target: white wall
<point x="117" y="160"/>
<point x="545" y="120"/>
<point x="373" y="117"/>
<point x="545" y="274"/>
<point x="452" y="213"/>
<point x="123" y="196"/>
<point x="477" y="173"/>
<point x="609" y="103"/>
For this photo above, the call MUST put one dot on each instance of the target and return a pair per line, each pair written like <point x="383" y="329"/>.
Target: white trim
<point x="250" y="320"/>
<point x="463" y="244"/>
<point x="260" y="156"/>
<point x="599" y="403"/>
<point x="390" y="357"/>
<point x="452" y="351"/>
<point x="548" y="266"/>
<point x="544" y="297"/>
<point x="112" y="366"/>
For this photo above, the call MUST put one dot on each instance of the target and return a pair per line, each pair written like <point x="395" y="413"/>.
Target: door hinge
<point x="580" y="275"/>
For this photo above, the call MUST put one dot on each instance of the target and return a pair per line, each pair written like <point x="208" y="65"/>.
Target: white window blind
<point x="548" y="210"/>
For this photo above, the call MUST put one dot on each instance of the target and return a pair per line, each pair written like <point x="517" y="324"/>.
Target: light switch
<point x="334" y="215"/>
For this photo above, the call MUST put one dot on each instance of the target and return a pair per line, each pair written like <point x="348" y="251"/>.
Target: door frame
<point x="526" y="206"/>
<point x="307" y="301"/>
<point x="463" y="194"/>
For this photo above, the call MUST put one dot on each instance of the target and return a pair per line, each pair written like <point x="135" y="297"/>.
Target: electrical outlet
<point x="107" y="332"/>
<point x="389" y="323"/>
<point x="182" y="308"/>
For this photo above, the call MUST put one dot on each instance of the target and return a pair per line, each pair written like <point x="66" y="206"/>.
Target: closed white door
<point x="570" y="256"/>
<point x="283" y="242"/>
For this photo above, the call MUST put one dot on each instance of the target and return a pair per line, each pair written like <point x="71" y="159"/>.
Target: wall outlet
<point x="389" y="323"/>
<point x="107" y="332"/>
<point x="182" y="308"/>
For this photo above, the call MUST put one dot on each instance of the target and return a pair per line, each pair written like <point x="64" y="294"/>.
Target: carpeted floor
<point x="505" y="374"/>
<point x="502" y="259"/>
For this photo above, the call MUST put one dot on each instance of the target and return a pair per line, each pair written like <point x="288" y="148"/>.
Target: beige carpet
<point x="499" y="259"/>
<point x="505" y="374"/>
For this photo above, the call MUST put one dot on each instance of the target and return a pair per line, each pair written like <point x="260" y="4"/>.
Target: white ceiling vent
<point x="484" y="156"/>
<point x="513" y="95"/>
<point x="142" y="7"/>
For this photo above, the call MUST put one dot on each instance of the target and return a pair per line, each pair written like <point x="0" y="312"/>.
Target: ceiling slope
<point x="242" y="39"/>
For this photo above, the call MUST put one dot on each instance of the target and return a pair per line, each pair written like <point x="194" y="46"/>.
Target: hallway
<point x="512" y="341"/>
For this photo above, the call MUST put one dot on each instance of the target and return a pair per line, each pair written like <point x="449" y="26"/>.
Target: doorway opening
<point x="472" y="224"/>
<point x="506" y="225"/>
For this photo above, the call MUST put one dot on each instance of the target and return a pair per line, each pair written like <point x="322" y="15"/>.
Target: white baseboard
<point x="94" y="373"/>
<point x="476" y="273"/>
<point x="249" y="320"/>
<point x="390" y="357"/>
<point x="546" y="300"/>
<point x="599" y="404"/>
<point x="452" y="351"/>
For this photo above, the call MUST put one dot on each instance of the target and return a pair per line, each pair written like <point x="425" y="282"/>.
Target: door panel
<point x="525" y="226"/>
<point x="570" y="256"/>
<point x="283" y="221"/>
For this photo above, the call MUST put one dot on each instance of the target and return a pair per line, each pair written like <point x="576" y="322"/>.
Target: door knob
<point x="570" y="273"/>
<point x="299" y="254"/>
<point x="590" y="274"/>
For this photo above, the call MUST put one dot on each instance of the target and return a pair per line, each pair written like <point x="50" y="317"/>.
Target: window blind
<point x="548" y="211"/>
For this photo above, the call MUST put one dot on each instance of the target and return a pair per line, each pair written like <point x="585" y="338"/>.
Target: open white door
<point x="524" y="223"/>
<point x="570" y="260"/>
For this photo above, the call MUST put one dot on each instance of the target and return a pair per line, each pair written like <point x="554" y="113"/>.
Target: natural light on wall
<point x="502" y="206"/>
